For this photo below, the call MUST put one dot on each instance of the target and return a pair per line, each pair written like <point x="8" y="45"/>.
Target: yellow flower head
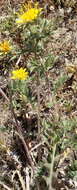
<point x="28" y="13"/>
<point x="5" y="46"/>
<point x="20" y="74"/>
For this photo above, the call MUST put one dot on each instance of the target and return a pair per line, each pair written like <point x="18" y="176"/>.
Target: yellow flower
<point x="20" y="74"/>
<point x="5" y="46"/>
<point x="28" y="13"/>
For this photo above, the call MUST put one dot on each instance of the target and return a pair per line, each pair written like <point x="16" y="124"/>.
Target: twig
<point x="26" y="149"/>
<point x="27" y="179"/>
<point x="19" y="59"/>
<point x="35" y="147"/>
<point x="5" y="186"/>
<point x="20" y="178"/>
<point x="4" y="95"/>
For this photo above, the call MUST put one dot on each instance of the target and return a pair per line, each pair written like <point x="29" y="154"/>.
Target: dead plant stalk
<point x="18" y="127"/>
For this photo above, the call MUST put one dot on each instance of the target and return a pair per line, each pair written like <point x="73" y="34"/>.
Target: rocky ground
<point x="63" y="45"/>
